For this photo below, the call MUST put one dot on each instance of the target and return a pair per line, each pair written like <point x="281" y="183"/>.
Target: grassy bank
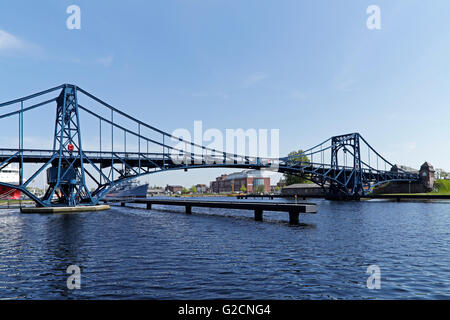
<point x="442" y="187"/>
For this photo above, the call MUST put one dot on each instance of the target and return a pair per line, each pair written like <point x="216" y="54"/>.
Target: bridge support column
<point x="258" y="215"/>
<point x="188" y="210"/>
<point x="122" y="204"/>
<point x="293" y="218"/>
<point x="149" y="206"/>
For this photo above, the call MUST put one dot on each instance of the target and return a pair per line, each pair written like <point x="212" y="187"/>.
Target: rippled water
<point x="214" y="253"/>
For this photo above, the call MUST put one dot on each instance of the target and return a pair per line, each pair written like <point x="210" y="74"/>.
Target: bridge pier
<point x="149" y="206"/>
<point x="188" y="209"/>
<point x="258" y="215"/>
<point x="122" y="204"/>
<point x="294" y="218"/>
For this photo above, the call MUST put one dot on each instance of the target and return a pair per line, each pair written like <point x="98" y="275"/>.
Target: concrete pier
<point x="293" y="217"/>
<point x="64" y="209"/>
<point x="294" y="209"/>
<point x="258" y="215"/>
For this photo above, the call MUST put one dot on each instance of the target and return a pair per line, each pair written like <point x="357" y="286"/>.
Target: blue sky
<point x="309" y="68"/>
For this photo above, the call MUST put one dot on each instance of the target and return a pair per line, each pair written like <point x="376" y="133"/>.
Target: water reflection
<point x="64" y="242"/>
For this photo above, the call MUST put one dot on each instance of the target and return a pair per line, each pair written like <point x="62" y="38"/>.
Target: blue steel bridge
<point x="346" y="164"/>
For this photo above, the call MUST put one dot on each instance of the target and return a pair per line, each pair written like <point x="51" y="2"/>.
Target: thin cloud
<point x="106" y="61"/>
<point x="254" y="79"/>
<point x="10" y="42"/>
<point x="13" y="45"/>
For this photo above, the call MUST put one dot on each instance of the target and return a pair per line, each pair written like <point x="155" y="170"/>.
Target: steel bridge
<point x="346" y="165"/>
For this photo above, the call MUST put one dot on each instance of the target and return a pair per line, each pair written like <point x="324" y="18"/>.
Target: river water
<point x="132" y="253"/>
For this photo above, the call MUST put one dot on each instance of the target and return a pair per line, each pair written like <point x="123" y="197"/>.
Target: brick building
<point x="427" y="176"/>
<point x="252" y="180"/>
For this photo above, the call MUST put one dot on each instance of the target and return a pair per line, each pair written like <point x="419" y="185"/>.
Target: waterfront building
<point x="398" y="167"/>
<point x="155" y="191"/>
<point x="252" y="180"/>
<point x="201" y="188"/>
<point x="303" y="189"/>
<point x="427" y="175"/>
<point x="174" y="189"/>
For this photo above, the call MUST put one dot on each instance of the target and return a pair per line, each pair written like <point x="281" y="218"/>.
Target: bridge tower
<point x="66" y="176"/>
<point x="349" y="174"/>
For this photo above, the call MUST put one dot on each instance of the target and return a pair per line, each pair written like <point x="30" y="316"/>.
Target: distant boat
<point x="128" y="189"/>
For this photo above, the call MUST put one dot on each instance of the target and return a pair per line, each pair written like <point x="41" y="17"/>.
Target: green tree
<point x="296" y="158"/>
<point x="193" y="189"/>
<point x="184" y="191"/>
<point x="243" y="189"/>
<point x="259" y="189"/>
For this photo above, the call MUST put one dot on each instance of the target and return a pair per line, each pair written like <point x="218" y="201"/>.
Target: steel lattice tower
<point x="66" y="175"/>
